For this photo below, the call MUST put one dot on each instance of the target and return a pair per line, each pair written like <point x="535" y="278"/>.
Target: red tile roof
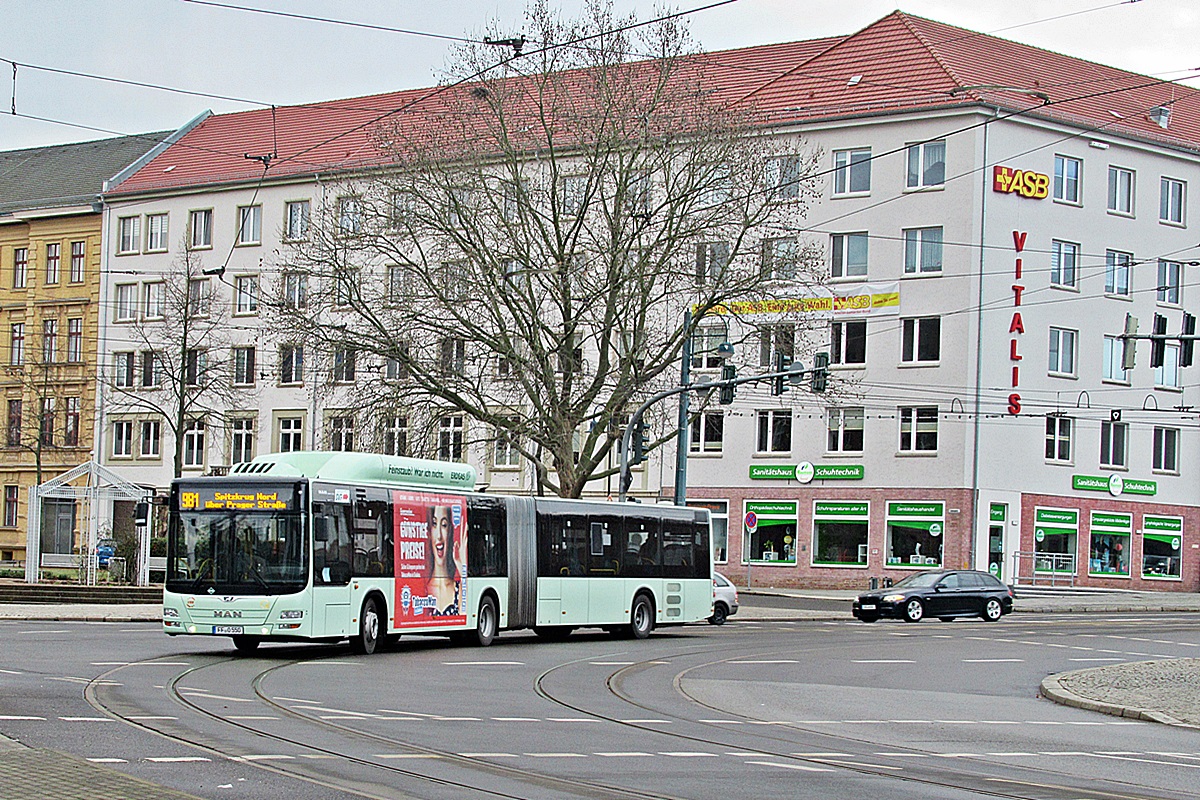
<point x="897" y="64"/>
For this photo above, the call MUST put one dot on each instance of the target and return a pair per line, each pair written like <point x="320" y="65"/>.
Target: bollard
<point x="887" y="583"/>
<point x="874" y="584"/>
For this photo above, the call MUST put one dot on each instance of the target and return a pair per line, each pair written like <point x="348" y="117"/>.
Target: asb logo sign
<point x="1033" y="185"/>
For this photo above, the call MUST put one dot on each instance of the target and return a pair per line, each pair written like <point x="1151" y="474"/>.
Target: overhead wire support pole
<point x="636" y="418"/>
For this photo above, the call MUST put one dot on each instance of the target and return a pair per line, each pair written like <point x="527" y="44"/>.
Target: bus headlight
<point x="291" y="614"/>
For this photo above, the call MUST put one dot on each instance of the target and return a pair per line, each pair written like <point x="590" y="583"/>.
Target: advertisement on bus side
<point x="430" y="532"/>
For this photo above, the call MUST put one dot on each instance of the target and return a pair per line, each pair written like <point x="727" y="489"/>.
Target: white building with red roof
<point x="991" y="212"/>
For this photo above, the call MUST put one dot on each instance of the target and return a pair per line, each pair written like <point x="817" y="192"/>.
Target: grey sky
<point x="286" y="61"/>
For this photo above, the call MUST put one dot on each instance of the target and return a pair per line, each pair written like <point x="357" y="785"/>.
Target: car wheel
<point x="246" y="644"/>
<point x="719" y="615"/>
<point x="486" y="623"/>
<point x="992" y="610"/>
<point x="368" y="629"/>
<point x="914" y="610"/>
<point x="641" y="618"/>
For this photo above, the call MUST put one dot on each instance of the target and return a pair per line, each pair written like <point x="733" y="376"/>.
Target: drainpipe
<point x="975" y="512"/>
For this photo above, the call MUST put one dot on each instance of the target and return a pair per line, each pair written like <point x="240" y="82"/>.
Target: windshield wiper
<point x="204" y="570"/>
<point x="261" y="580"/>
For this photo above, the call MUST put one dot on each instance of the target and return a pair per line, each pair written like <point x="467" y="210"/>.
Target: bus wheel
<point x="641" y="619"/>
<point x="368" y="629"/>
<point x="246" y="644"/>
<point x="486" y="623"/>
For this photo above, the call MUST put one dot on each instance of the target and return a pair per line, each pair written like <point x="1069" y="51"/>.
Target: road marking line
<point x="29" y="632"/>
<point x="316" y="756"/>
<point x="489" y="755"/>
<point x="111" y="760"/>
<point x="883" y="661"/>
<point x="556" y="755"/>
<point x="266" y="757"/>
<point x="993" y="661"/>
<point x="999" y="722"/>
<point x="19" y="718"/>
<point x="1146" y="761"/>
<point x="903" y="755"/>
<point x="85" y="719"/>
<point x="109" y="664"/>
<point x="483" y="663"/>
<point x="456" y="719"/>
<point x="176" y="759"/>
<point x="1101" y="658"/>
<point x="11" y="672"/>
<point x="612" y="663"/>
<point x="515" y="719"/>
<point x="405" y="755"/>
<point x="765" y="661"/>
<point x="202" y="694"/>
<point x="630" y="754"/>
<point x="721" y="721"/>
<point x="820" y="755"/>
<point x="800" y="767"/>
<point x="686" y="754"/>
<point x="843" y="763"/>
<point x="147" y="717"/>
<point x="250" y="717"/>
<point x="645" y="721"/>
<point x="296" y="700"/>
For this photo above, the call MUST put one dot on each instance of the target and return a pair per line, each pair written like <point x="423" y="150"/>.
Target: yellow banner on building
<point x="861" y="300"/>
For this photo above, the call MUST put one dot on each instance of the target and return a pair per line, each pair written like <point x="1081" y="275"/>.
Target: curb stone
<point x="1052" y="689"/>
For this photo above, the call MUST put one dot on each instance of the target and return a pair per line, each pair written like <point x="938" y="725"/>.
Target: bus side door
<point x="333" y="550"/>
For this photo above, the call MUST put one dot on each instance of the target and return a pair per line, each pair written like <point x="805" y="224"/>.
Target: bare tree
<point x="175" y="362"/>
<point x="33" y="415"/>
<point x="528" y="259"/>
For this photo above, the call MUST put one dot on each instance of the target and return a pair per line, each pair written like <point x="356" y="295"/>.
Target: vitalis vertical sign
<point x="1016" y="328"/>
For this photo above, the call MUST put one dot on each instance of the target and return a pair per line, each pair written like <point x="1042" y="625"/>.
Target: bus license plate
<point x="228" y="630"/>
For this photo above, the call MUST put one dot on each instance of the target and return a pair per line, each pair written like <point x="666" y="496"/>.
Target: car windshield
<point x="919" y="581"/>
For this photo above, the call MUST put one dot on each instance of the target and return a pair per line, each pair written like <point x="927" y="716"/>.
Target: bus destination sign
<point x="205" y="498"/>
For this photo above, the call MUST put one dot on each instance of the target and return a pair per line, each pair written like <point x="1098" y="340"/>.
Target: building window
<point x="396" y="369"/>
<point x="775" y="341"/>
<point x="1167" y="376"/>
<point x="241" y="447"/>
<point x="71" y="422"/>
<point x="341" y="433"/>
<point x="350" y="216"/>
<point x="53" y="263"/>
<point x="200" y="228"/>
<point x="125" y="308"/>
<point x="20" y="267"/>
<point x="49" y="341"/>
<point x="156" y="232"/>
<point x="122" y="443"/>
<point x="921" y="340"/>
<point x="13" y="431"/>
<point x="193" y="443"/>
<point x="1113" y="437"/>
<point x="1058" y="439"/>
<point x="1117" y="266"/>
<point x="295" y="289"/>
<point x="344" y="360"/>
<point x="152" y="370"/>
<point x="711" y="260"/>
<point x="154" y="300"/>
<point x="47" y="422"/>
<point x="1120" y="190"/>
<point x="926" y="164"/>
<point x="249" y="225"/>
<point x="1166" y="449"/>
<point x="123" y="370"/>
<point x="395" y="435"/>
<point x="1171" y="199"/>
<point x="706" y="343"/>
<point x="1170" y="282"/>
<point x="199" y="297"/>
<point x="12" y="495"/>
<point x="851" y="171"/>
<point x="918" y="429"/>
<point x="848" y="342"/>
<point x="840" y="533"/>
<point x="195" y="368"/>
<point x="1066" y="178"/>
<point x="16" y="352"/>
<point x="1162" y="547"/>
<point x="245" y="294"/>
<point x="922" y="250"/>
<point x="151" y="436"/>
<point x="1062" y="351"/>
<point x="781" y="259"/>
<point x="296" y="215"/>
<point x="1064" y="263"/>
<point x="291" y="434"/>
<point x="452" y="356"/>
<point x="1114" y="358"/>
<point x="783" y="175"/>
<point x="291" y="364"/>
<point x="774" y="431"/>
<point x="74" y="340"/>
<point x="845" y="427"/>
<point x="450" y="437"/>
<point x="78" y="261"/>
<point x="129" y="235"/>
<point x="708" y="433"/>
<point x="848" y="255"/>
<point x="572" y="194"/>
<point x="345" y="286"/>
<point x="504" y="449"/>
<point x="243" y="366"/>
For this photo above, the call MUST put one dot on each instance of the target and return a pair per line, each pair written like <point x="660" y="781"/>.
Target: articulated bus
<point x="327" y="546"/>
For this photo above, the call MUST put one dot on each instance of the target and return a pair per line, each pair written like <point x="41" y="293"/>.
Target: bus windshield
<point x="237" y="553"/>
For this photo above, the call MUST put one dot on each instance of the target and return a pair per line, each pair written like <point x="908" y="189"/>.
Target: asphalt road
<point x="818" y="709"/>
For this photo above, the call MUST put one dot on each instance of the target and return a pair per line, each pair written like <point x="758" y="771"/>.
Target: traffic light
<point x="1129" y="343"/>
<point x="1158" y="344"/>
<point x="1186" y="344"/>
<point x="639" y="442"/>
<point x="728" y="373"/>
<point x="820" y="372"/>
<point x="782" y="362"/>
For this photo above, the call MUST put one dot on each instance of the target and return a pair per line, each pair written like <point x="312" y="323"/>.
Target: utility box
<point x="116" y="569"/>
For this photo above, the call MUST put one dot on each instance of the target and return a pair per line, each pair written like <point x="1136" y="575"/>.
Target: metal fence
<point x="1032" y="568"/>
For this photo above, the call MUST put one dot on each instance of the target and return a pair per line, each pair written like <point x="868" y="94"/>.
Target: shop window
<point x="1162" y="547"/>
<point x="772" y="538"/>
<point x="840" y="534"/>
<point x="914" y="534"/>
<point x="1109" y="549"/>
<point x="1056" y="531"/>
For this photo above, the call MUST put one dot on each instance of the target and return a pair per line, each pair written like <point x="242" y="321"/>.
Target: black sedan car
<point x="944" y="594"/>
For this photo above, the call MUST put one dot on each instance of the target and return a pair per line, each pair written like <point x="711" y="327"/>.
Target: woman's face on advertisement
<point x="440" y="534"/>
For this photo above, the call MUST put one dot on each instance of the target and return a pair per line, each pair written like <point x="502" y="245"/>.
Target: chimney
<point x="1161" y="115"/>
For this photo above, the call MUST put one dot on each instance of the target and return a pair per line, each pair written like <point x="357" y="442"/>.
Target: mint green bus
<point x="330" y="546"/>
